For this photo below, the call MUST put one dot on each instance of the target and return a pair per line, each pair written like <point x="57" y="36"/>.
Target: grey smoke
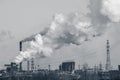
<point x="110" y="8"/>
<point x="104" y="11"/>
<point x="66" y="29"/>
<point x="28" y="39"/>
<point x="95" y="14"/>
<point x="42" y="32"/>
<point x="98" y="19"/>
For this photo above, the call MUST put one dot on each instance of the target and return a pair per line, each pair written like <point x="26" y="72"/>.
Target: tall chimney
<point x="20" y="46"/>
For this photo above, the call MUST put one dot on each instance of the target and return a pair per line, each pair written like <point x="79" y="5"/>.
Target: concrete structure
<point x="67" y="66"/>
<point x="13" y="67"/>
<point x="119" y="67"/>
<point x="114" y="75"/>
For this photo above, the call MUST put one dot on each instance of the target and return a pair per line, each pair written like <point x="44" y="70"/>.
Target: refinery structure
<point x="95" y="18"/>
<point x="66" y="71"/>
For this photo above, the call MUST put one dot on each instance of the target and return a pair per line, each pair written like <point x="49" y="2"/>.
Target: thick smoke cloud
<point x="36" y="49"/>
<point x="98" y="20"/>
<point x="67" y="29"/>
<point x="64" y="30"/>
<point x="104" y="11"/>
<point x="110" y="8"/>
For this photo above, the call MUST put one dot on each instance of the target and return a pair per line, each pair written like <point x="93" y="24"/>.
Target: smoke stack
<point x="20" y="46"/>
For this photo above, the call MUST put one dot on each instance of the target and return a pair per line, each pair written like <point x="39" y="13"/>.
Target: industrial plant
<point x="66" y="71"/>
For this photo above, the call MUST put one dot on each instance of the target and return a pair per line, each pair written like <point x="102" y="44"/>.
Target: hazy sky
<point x="21" y="18"/>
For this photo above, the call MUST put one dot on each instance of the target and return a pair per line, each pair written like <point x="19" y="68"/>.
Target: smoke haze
<point x="110" y="8"/>
<point x="66" y="29"/>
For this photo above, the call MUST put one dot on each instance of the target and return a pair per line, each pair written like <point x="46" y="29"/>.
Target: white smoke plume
<point x="71" y="29"/>
<point x="98" y="20"/>
<point x="64" y="30"/>
<point x="36" y="49"/>
<point x="111" y="9"/>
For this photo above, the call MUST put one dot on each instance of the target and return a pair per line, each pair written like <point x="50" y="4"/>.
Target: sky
<point x="22" y="18"/>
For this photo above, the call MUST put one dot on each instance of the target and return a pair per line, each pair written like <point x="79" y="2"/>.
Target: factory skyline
<point x="66" y="70"/>
<point x="14" y="28"/>
<point x="32" y="65"/>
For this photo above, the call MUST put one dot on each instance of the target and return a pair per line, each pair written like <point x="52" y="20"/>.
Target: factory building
<point x="67" y="66"/>
<point x="10" y="68"/>
<point x="114" y="75"/>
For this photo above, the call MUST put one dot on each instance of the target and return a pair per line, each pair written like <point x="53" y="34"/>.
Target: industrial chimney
<point x="20" y="46"/>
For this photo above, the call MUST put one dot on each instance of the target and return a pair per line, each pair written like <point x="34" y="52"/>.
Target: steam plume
<point x="110" y="8"/>
<point x="64" y="30"/>
<point x="36" y="49"/>
<point x="71" y="29"/>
